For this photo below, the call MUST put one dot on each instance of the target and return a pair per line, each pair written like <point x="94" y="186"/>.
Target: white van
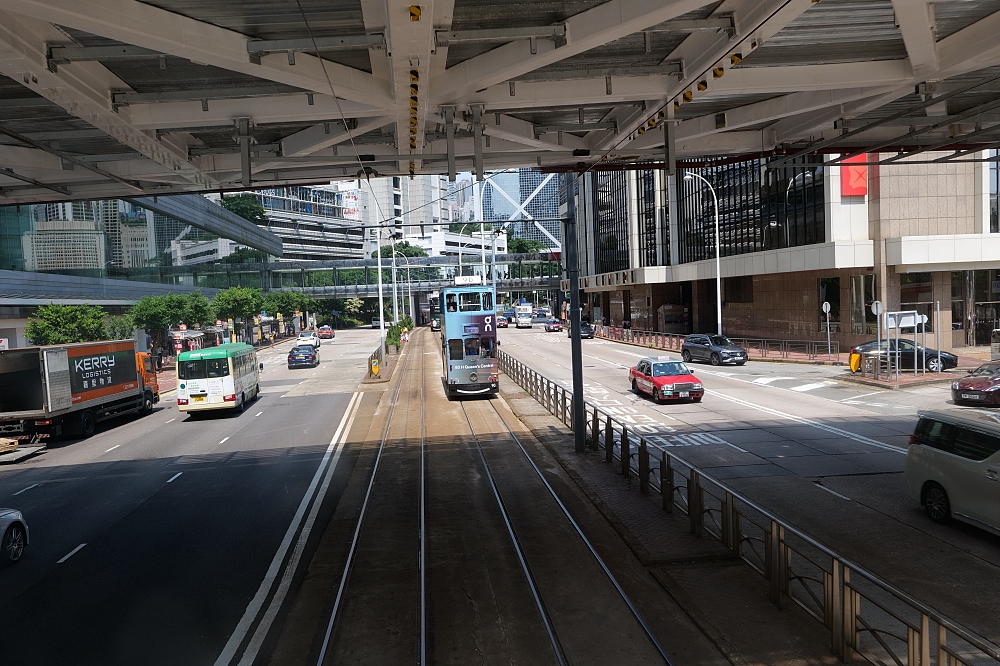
<point x="952" y="467"/>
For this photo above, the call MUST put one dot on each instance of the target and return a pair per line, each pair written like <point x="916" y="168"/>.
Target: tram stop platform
<point x="482" y="538"/>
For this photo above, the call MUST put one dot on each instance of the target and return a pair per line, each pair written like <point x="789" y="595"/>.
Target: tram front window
<point x="472" y="347"/>
<point x="455" y="350"/>
<point x="468" y="302"/>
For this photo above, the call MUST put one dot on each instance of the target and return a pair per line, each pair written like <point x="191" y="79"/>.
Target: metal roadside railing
<point x="868" y="619"/>
<point x="759" y="347"/>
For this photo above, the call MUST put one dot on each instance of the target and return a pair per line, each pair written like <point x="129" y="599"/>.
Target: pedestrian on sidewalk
<point x="159" y="358"/>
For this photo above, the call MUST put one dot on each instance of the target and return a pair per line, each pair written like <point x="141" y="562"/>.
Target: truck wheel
<point x="147" y="404"/>
<point x="88" y="424"/>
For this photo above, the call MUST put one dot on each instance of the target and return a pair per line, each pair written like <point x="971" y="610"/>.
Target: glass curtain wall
<point x="611" y="225"/>
<point x="760" y="208"/>
<point x="654" y="230"/>
<point x="994" y="189"/>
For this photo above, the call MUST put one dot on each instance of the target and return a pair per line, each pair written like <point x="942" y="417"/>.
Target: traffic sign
<point x="826" y="307"/>
<point x="335" y="313"/>
<point x="877" y="308"/>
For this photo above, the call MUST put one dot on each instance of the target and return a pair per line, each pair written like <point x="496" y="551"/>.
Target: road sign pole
<point x="573" y="273"/>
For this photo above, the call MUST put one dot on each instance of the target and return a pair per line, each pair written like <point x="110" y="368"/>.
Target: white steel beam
<point x="318" y="137"/>
<point x="916" y="23"/>
<point x="971" y="48"/>
<point x="595" y="27"/>
<point x="81" y="89"/>
<point x="141" y="24"/>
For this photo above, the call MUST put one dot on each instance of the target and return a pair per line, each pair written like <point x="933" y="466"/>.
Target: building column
<point x="671" y="197"/>
<point x="632" y="193"/>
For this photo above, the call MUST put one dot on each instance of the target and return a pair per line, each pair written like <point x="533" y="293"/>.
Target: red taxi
<point x="665" y="378"/>
<point x="325" y="333"/>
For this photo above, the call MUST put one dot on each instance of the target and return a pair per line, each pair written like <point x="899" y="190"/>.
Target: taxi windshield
<point x="669" y="369"/>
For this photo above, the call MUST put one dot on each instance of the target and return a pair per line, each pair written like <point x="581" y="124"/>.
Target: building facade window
<point x="994" y="190"/>
<point x="829" y="292"/>
<point x="916" y="292"/>
<point x="863" y="320"/>
<point x="611" y="224"/>
<point x="760" y="208"/>
<point x="654" y="230"/>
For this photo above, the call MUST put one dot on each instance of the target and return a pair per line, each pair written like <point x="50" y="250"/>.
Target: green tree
<point x="246" y="255"/>
<point x="196" y="309"/>
<point x="237" y="303"/>
<point x="352" y="306"/>
<point x="524" y="246"/>
<point x="402" y="248"/>
<point x="120" y="328"/>
<point x="247" y="206"/>
<point x="55" y="324"/>
<point x="287" y="302"/>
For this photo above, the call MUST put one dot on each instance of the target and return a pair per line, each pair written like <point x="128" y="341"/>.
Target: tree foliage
<point x="237" y="303"/>
<point x="352" y="306"/>
<point x="55" y="324"/>
<point x="287" y="302"/>
<point x="402" y="248"/>
<point x="154" y="313"/>
<point x="246" y="206"/>
<point x="524" y="246"/>
<point x="120" y="328"/>
<point x="246" y="255"/>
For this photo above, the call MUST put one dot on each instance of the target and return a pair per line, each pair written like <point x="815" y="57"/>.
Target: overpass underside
<point x="106" y="99"/>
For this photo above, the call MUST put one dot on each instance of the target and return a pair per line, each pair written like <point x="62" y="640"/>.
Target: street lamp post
<point x="395" y="301"/>
<point x="718" y="263"/>
<point x="409" y="286"/>
<point x="381" y="301"/>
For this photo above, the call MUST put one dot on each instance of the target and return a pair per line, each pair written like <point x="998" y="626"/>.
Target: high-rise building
<point x="528" y="201"/>
<point x="65" y="236"/>
<point x="15" y="221"/>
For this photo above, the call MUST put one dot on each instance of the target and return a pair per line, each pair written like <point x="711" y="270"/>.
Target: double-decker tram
<point x="469" y="340"/>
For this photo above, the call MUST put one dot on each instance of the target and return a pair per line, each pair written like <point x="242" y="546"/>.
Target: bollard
<point x="609" y="441"/>
<point x="624" y="451"/>
<point x="643" y="467"/>
<point x="694" y="503"/>
<point x="666" y="483"/>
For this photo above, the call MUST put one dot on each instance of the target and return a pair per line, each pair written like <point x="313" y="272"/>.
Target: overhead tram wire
<point x="348" y="566"/>
<point x="586" y="541"/>
<point x="539" y="603"/>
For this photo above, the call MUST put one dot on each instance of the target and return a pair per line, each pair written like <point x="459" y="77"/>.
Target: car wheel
<point x="936" y="503"/>
<point x="935" y="364"/>
<point x="88" y="424"/>
<point x="716" y="359"/>
<point x="635" y="387"/>
<point x="686" y="355"/>
<point x="14" y="541"/>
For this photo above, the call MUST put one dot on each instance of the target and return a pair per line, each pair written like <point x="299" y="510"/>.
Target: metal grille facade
<point x="759" y="208"/>
<point x="611" y="224"/>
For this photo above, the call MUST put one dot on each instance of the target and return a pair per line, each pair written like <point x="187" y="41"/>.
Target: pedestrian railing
<point x="867" y="618"/>
<point x="759" y="347"/>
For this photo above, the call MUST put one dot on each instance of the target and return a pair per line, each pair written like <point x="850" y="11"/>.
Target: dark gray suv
<point x="716" y="349"/>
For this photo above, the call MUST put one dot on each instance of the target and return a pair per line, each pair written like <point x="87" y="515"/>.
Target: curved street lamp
<point x="718" y="264"/>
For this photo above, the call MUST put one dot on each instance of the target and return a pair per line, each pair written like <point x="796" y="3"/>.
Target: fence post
<point x="727" y="520"/>
<point x="942" y="641"/>
<point x="609" y="441"/>
<point x="832" y="600"/>
<point x="643" y="467"/>
<point x="852" y="608"/>
<point x="694" y="503"/>
<point x="666" y="482"/>
<point x="625" y="454"/>
<point x="775" y="561"/>
<point x="595" y="429"/>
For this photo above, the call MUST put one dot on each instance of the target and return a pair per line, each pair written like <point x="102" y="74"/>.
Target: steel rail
<point x="539" y="603"/>
<point x="423" y="512"/>
<point x="586" y="541"/>
<point x="361" y="522"/>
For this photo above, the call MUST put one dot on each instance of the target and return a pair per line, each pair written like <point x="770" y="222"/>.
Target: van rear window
<point x="957" y="440"/>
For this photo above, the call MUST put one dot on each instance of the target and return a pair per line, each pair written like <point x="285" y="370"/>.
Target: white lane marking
<point x="71" y="553"/>
<point x="764" y="381"/>
<point x="24" y="490"/>
<point x="250" y="615"/>
<point x="224" y="440"/>
<point x="284" y="396"/>
<point x="811" y="387"/>
<point x="798" y="419"/>
<point x="863" y="395"/>
<point x="174" y="477"/>
<point x="258" y="413"/>
<point x="112" y="448"/>
<point x="170" y="421"/>
<point x="833" y="492"/>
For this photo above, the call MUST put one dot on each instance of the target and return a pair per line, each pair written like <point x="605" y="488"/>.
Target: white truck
<point x="522" y="316"/>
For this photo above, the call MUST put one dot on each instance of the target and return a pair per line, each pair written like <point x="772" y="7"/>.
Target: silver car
<point x="716" y="349"/>
<point x="15" y="535"/>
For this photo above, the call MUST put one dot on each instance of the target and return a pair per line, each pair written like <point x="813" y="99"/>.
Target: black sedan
<point x="303" y="356"/>
<point x="586" y="330"/>
<point x="936" y="360"/>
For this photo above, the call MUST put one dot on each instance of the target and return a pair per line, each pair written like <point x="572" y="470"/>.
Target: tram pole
<point x="573" y="273"/>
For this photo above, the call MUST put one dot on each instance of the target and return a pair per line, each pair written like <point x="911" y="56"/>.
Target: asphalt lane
<point x="149" y="539"/>
<point x="809" y="448"/>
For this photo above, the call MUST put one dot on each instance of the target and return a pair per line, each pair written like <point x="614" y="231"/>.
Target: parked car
<point x="586" y="330"/>
<point x="325" y="333"/>
<point x="308" y="338"/>
<point x="716" y="349"/>
<point x="501" y="321"/>
<point x="303" y="356"/>
<point x="15" y="535"/>
<point x="665" y="378"/>
<point x="376" y="322"/>
<point x="553" y="325"/>
<point x="981" y="387"/>
<point x="952" y="465"/>
<point x="936" y="360"/>
<point x="435" y="324"/>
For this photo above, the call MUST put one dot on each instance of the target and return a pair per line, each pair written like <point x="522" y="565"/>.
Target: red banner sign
<point x="854" y="176"/>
